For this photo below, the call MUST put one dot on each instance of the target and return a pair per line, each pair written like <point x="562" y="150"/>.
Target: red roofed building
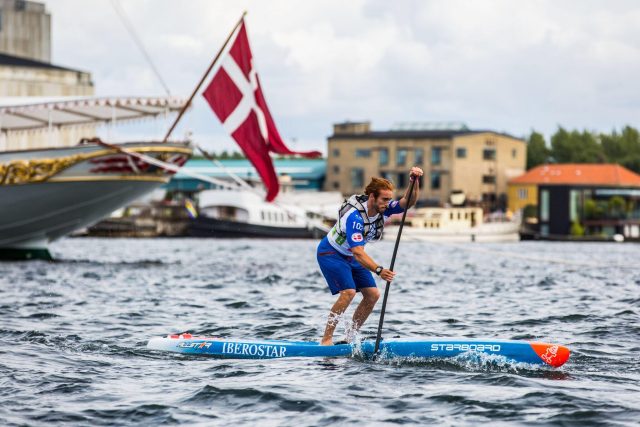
<point x="597" y="199"/>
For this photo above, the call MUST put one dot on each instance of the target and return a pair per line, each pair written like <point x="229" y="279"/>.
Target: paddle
<point x="393" y="261"/>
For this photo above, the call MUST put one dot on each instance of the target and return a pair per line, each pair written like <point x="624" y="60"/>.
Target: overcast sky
<point x="509" y="66"/>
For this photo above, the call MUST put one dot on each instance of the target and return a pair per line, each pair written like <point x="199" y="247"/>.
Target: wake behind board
<point x="518" y="351"/>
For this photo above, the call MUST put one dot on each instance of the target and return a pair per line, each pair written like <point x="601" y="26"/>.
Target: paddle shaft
<point x="393" y="261"/>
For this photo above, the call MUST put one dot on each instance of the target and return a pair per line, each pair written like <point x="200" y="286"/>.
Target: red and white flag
<point x="236" y="98"/>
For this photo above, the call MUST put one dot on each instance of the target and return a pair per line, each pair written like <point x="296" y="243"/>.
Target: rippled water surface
<point x="73" y="335"/>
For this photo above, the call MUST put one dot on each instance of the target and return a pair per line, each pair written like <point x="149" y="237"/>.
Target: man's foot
<point x="326" y="342"/>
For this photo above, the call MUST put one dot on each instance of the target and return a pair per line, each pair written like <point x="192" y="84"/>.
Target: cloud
<point x="496" y="64"/>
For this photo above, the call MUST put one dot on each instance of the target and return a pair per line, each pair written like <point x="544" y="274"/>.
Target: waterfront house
<point x="586" y="201"/>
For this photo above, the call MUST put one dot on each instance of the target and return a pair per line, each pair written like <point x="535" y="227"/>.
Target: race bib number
<point x="356" y="237"/>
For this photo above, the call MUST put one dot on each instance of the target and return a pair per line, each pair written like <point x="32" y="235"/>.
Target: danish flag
<point x="236" y="97"/>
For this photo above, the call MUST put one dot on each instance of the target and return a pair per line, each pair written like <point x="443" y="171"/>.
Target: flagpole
<point x="188" y="103"/>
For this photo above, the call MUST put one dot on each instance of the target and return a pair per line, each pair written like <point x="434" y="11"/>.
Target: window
<point x="514" y="153"/>
<point x="401" y="157"/>
<point x="387" y="175"/>
<point x="461" y="152"/>
<point x="402" y="179"/>
<point x="544" y="206"/>
<point x="435" y="180"/>
<point x="419" y="156"/>
<point x="336" y="185"/>
<point x="384" y="157"/>
<point x="488" y="179"/>
<point x="336" y="152"/>
<point x="489" y="154"/>
<point x="362" y="152"/>
<point x="336" y="169"/>
<point x="357" y="177"/>
<point x="574" y="205"/>
<point x="436" y="155"/>
<point x="523" y="193"/>
<point x="544" y="230"/>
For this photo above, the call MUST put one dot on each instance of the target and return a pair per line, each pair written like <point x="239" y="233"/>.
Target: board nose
<point x="552" y="354"/>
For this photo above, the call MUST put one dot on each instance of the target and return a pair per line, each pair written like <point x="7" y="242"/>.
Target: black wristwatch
<point x="379" y="269"/>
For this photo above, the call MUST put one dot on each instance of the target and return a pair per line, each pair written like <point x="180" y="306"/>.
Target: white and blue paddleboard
<point x="517" y="351"/>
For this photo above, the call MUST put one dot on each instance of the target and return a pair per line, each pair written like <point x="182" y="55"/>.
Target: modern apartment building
<point x="455" y="159"/>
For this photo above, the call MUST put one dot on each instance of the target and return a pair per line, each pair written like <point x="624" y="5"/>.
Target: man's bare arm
<point x="367" y="262"/>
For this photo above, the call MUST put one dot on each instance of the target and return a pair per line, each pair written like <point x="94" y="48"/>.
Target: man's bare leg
<point x="336" y="311"/>
<point x="369" y="298"/>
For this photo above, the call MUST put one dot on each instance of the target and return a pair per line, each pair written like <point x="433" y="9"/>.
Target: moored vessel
<point x="47" y="193"/>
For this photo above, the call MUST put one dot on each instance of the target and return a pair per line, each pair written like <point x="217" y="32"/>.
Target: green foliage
<point x="537" y="151"/>
<point x="623" y="148"/>
<point x="577" y="229"/>
<point x="593" y="210"/>
<point x="631" y="209"/>
<point x="530" y="211"/>
<point x="587" y="147"/>
<point x="617" y="207"/>
<point x="576" y="147"/>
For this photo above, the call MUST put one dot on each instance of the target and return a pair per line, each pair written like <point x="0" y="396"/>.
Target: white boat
<point x="244" y="213"/>
<point x="454" y="225"/>
<point x="47" y="193"/>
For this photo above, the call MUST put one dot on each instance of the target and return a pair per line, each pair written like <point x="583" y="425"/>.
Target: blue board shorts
<point x="341" y="271"/>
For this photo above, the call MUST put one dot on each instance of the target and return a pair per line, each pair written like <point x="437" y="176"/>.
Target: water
<point x="73" y="335"/>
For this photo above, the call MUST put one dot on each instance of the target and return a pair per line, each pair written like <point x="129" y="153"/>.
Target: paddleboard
<point x="517" y="351"/>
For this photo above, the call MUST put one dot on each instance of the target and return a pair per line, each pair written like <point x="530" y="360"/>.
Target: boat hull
<point x="30" y="217"/>
<point x="515" y="351"/>
<point x="211" y="227"/>
<point x="488" y="233"/>
<point x="47" y="194"/>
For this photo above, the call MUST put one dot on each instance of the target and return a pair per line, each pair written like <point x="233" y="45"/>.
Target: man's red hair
<point x="376" y="185"/>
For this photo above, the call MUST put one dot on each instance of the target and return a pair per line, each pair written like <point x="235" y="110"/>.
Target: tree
<point x="537" y="151"/>
<point x="588" y="147"/>
<point x="617" y="207"/>
<point x="623" y="148"/>
<point x="561" y="149"/>
<point x="576" y="147"/>
<point x="593" y="210"/>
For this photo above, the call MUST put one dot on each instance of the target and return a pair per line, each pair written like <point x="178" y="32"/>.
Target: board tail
<point x="552" y="354"/>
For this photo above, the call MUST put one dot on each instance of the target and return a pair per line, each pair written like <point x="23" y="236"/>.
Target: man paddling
<point x="341" y="256"/>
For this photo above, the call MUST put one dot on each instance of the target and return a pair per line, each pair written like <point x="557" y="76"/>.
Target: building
<point x="26" y="70"/>
<point x="455" y="159"/>
<point x="301" y="174"/>
<point x="25" y="30"/>
<point x="28" y="77"/>
<point x="596" y="200"/>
